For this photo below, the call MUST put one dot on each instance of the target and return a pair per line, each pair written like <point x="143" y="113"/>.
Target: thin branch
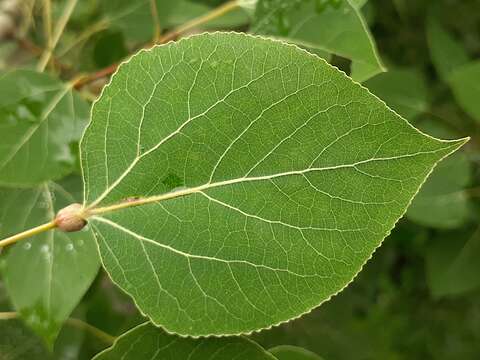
<point x="47" y="22"/>
<point x="216" y="13"/>
<point x="76" y="323"/>
<point x="85" y="35"/>
<point x="59" y="28"/>
<point x="8" y="315"/>
<point x="156" y="21"/>
<point x="82" y="325"/>
<point x="28" y="233"/>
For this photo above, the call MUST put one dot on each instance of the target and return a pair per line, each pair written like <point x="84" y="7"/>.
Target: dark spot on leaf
<point x="172" y="181"/>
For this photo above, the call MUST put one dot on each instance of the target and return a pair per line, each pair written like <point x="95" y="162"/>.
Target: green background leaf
<point x="447" y="52"/>
<point x="280" y="178"/>
<point x="286" y="352"/>
<point x="404" y="90"/>
<point x="46" y="276"/>
<point x="340" y="30"/>
<point x="465" y="83"/>
<point x="41" y="122"/>
<point x="443" y="201"/>
<point x="147" y="341"/>
<point x="452" y="263"/>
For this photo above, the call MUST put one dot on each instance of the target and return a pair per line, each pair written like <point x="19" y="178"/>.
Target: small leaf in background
<point x="109" y="48"/>
<point x="452" y="263"/>
<point x="404" y="90"/>
<point x="267" y="178"/>
<point x="286" y="352"/>
<point x="443" y="201"/>
<point x="40" y="119"/>
<point x="337" y="27"/>
<point x="45" y="277"/>
<point x="134" y="18"/>
<point x="19" y="343"/>
<point x="465" y="84"/>
<point x="149" y="342"/>
<point x="446" y="52"/>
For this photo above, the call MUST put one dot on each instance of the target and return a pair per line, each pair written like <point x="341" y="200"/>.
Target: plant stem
<point x="82" y="37"/>
<point x="216" y="13"/>
<point x="8" y="315"/>
<point x="156" y="20"/>
<point x="62" y="22"/>
<point x="76" y="323"/>
<point x="82" y="325"/>
<point x="28" y="233"/>
<point x="47" y="22"/>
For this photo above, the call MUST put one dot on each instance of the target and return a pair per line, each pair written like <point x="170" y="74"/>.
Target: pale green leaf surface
<point x="452" y="263"/>
<point x="404" y="90"/>
<point x="443" y="201"/>
<point x="149" y="342"/>
<point x="46" y="276"/>
<point x="271" y="178"/>
<point x="41" y="121"/>
<point x="339" y="30"/>
<point x="446" y="52"/>
<point x="287" y="352"/>
<point x="465" y="83"/>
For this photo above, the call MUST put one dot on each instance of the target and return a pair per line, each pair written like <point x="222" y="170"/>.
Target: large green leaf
<point x="149" y="342"/>
<point x="267" y="179"/>
<point x="41" y="122"/>
<point x="46" y="276"/>
<point x="286" y="352"/>
<point x="465" y="83"/>
<point x="339" y="29"/>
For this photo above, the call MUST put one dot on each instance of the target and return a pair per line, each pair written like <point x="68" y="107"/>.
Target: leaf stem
<point x="82" y="325"/>
<point x="8" y="315"/>
<point x="215" y="13"/>
<point x="60" y="26"/>
<point x="47" y="22"/>
<point x="76" y="323"/>
<point x="28" y="233"/>
<point x="156" y="21"/>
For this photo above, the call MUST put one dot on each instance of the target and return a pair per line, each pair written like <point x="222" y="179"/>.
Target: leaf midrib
<point x="94" y="210"/>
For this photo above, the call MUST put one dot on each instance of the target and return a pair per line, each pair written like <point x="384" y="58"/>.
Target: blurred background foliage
<point x="419" y="296"/>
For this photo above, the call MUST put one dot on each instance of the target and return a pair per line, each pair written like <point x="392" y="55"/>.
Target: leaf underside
<point x="274" y="176"/>
<point x="149" y="342"/>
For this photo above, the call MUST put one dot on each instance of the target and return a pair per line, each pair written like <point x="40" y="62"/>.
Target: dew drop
<point x="45" y="248"/>
<point x="27" y="246"/>
<point x="80" y="242"/>
<point x="69" y="247"/>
